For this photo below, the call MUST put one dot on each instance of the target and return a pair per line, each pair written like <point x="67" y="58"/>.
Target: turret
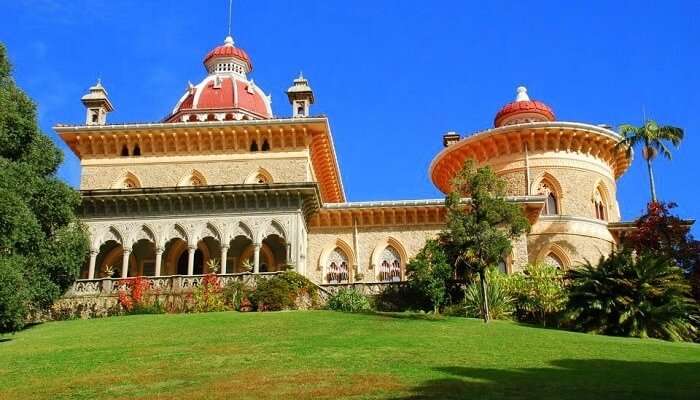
<point x="300" y="97"/>
<point x="97" y="105"/>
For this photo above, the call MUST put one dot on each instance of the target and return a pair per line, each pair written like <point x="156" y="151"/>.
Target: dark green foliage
<point x="14" y="296"/>
<point x="428" y="274"/>
<point x="281" y="291"/>
<point x="643" y="297"/>
<point x="501" y="303"/>
<point x="42" y="246"/>
<point x="540" y="293"/>
<point x="480" y="229"/>
<point x="349" y="300"/>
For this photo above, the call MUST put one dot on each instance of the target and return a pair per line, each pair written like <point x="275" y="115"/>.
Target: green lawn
<point x="318" y="354"/>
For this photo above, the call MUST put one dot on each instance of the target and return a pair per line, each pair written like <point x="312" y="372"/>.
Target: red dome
<point x="234" y="98"/>
<point x="529" y="110"/>
<point x="227" y="51"/>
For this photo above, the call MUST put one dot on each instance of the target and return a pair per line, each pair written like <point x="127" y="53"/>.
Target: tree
<point x="624" y="295"/>
<point x="653" y="139"/>
<point x="429" y="273"/>
<point x="540" y="292"/>
<point x="480" y="228"/>
<point x="42" y="245"/>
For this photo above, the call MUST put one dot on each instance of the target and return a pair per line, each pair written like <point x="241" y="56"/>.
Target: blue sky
<point x="392" y="75"/>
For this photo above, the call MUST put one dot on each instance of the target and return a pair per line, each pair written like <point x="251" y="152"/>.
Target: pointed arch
<point x="194" y="178"/>
<point x="385" y="249"/>
<point x="555" y="254"/>
<point x="273" y="228"/>
<point x="600" y="199"/>
<point x="332" y="257"/>
<point x="146" y="232"/>
<point x="111" y="233"/>
<point x="547" y="185"/>
<point x="127" y="181"/>
<point x="210" y="230"/>
<point x="260" y="176"/>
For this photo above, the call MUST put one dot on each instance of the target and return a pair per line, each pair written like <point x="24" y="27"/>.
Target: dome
<point x="226" y="93"/>
<point x="228" y="50"/>
<point x="523" y="110"/>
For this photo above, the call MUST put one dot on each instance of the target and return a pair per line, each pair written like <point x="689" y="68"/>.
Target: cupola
<point x="523" y="110"/>
<point x="97" y="105"/>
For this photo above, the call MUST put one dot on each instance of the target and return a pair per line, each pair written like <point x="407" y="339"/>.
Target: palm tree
<point x="652" y="138"/>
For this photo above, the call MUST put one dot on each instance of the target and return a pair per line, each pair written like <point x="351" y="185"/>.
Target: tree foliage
<point x="653" y="139"/>
<point x="429" y="273"/>
<point x="644" y="296"/>
<point x="481" y="222"/>
<point x="42" y="246"/>
<point x="540" y="292"/>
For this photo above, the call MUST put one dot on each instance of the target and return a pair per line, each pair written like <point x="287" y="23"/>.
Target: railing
<point x="173" y="284"/>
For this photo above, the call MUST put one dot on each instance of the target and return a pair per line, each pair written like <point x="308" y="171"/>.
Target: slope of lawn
<point x="318" y="354"/>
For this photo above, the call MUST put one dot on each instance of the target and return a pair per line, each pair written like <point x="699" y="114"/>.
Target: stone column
<point x="190" y="260"/>
<point x="159" y="260"/>
<point x="256" y="258"/>
<point x="93" y="260"/>
<point x="224" y="255"/>
<point x="125" y="263"/>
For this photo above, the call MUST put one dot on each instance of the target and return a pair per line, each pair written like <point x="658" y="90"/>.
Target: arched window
<point x="551" y="206"/>
<point x="129" y="183"/>
<point x="599" y="205"/>
<point x="390" y="267"/>
<point x="260" y="177"/>
<point x="125" y="151"/>
<point x="137" y="150"/>
<point x="265" y="145"/>
<point x="554" y="260"/>
<point x="338" y="271"/>
<point x="254" y="146"/>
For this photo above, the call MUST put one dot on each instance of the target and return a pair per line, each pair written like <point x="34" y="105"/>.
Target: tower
<point x="97" y="105"/>
<point x="300" y="97"/>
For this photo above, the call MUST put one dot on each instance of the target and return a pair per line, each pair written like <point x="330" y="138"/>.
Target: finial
<point x="228" y="41"/>
<point x="301" y="75"/>
<point x="522" y="94"/>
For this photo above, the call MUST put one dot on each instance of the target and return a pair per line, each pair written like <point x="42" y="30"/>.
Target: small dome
<point x="523" y="110"/>
<point x="227" y="50"/>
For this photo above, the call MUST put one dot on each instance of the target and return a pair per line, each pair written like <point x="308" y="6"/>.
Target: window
<point x="254" y="146"/>
<point x="125" y="151"/>
<point x="338" y="267"/>
<point x="551" y="206"/>
<point x="137" y="150"/>
<point x="599" y="205"/>
<point x="95" y="115"/>
<point x="390" y="267"/>
<point x="130" y="183"/>
<point x="265" y="145"/>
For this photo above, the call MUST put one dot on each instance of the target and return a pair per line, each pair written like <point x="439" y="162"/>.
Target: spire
<point x="522" y="94"/>
<point x="300" y="97"/>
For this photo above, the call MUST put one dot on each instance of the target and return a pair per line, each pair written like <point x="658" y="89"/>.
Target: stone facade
<point x="175" y="171"/>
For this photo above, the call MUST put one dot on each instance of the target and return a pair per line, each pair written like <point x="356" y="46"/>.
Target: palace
<point x="221" y="177"/>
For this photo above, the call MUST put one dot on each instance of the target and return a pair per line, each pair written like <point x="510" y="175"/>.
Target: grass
<point x="319" y="354"/>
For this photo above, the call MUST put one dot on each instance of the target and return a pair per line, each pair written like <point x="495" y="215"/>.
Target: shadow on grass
<point x="567" y="379"/>
<point x="409" y="315"/>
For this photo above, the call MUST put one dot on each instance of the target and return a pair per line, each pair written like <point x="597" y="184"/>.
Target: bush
<point x="208" y="296"/>
<point x="539" y="292"/>
<point x="236" y="293"/>
<point x="14" y="296"/>
<point x="501" y="304"/>
<point x="429" y="273"/>
<point x="644" y="296"/>
<point x="273" y="294"/>
<point x="349" y="300"/>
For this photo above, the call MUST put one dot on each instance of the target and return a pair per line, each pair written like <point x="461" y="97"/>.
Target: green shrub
<point x="208" y="296"/>
<point x="501" y="303"/>
<point x="429" y="273"/>
<point x="644" y="296"/>
<point x="14" y="296"/>
<point x="540" y="293"/>
<point x="273" y="294"/>
<point x="235" y="292"/>
<point x="349" y="300"/>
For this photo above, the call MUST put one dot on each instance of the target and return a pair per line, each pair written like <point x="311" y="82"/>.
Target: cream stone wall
<point x="577" y="239"/>
<point x="411" y="239"/>
<point x="170" y="171"/>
